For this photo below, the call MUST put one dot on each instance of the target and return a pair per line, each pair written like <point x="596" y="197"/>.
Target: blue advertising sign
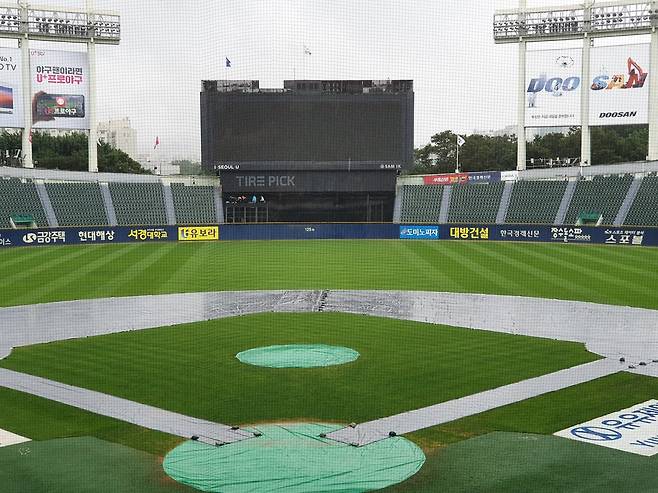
<point x="484" y="177"/>
<point x="419" y="232"/>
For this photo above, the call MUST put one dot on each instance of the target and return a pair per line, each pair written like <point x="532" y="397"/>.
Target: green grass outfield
<point x="157" y="366"/>
<point x="604" y="274"/>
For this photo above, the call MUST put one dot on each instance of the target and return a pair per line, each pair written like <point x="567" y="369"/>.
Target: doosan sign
<point x="632" y="430"/>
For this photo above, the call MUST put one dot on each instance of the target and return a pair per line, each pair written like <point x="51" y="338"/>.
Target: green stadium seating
<point x="138" y="203"/>
<point x="475" y="203"/>
<point x="421" y="203"/>
<point x="601" y="195"/>
<point x="77" y="204"/>
<point x="193" y="204"/>
<point x="644" y="211"/>
<point x="535" y="202"/>
<point x="20" y="198"/>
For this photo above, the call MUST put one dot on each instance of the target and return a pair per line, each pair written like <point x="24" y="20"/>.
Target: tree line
<point x="67" y="151"/>
<point x="490" y="153"/>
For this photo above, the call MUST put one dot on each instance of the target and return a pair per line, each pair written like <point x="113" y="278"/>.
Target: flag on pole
<point x="228" y="62"/>
<point x="460" y="141"/>
<point x="306" y="50"/>
<point x="157" y="142"/>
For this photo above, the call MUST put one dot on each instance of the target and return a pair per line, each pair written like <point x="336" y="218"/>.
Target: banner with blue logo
<point x="419" y="232"/>
<point x="634" y="430"/>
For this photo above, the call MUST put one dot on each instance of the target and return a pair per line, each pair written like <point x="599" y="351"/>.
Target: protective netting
<point x="298" y="356"/>
<point x="293" y="458"/>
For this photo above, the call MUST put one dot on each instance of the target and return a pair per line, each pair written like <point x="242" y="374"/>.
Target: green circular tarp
<point x="293" y="458"/>
<point x="298" y="356"/>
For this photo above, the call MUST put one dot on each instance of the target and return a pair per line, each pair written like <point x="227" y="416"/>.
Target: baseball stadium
<point x="316" y="310"/>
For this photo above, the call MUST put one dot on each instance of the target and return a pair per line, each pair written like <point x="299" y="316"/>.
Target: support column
<point x="585" y="136"/>
<point x="520" y="132"/>
<point x="26" y="78"/>
<point x="652" y="154"/>
<point x="91" y="104"/>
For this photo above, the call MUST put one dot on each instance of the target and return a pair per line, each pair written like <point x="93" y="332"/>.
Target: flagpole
<point x="457" y="170"/>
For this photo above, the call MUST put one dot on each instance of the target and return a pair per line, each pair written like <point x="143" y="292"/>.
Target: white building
<point x="119" y="134"/>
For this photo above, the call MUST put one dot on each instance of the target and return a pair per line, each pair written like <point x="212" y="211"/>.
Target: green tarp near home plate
<point x="295" y="459"/>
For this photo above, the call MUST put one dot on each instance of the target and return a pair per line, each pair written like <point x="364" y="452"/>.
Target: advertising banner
<point x="60" y="89"/>
<point x="619" y="92"/>
<point x="446" y="179"/>
<point x="11" y="89"/>
<point x="634" y="430"/>
<point x="553" y="85"/>
<point x="419" y="232"/>
<point x="198" y="233"/>
<point x="454" y="178"/>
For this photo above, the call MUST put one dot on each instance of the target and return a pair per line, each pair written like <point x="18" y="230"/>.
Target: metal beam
<point x="622" y="18"/>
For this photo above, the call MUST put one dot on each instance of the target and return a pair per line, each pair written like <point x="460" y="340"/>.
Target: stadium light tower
<point x="24" y="22"/>
<point x="584" y="21"/>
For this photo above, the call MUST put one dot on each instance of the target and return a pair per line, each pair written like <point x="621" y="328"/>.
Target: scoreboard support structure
<point x="25" y="22"/>
<point x="585" y="21"/>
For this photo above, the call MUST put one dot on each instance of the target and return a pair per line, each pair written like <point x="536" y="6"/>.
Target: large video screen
<point x="290" y="129"/>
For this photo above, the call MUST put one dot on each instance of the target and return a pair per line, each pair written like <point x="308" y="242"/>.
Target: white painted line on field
<point x="380" y="429"/>
<point x="7" y="438"/>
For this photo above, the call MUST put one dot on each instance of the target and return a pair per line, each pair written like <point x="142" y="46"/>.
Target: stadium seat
<point x="20" y="197"/>
<point x="421" y="203"/>
<point x="193" y="204"/>
<point x="602" y="195"/>
<point x="138" y="203"/>
<point x="475" y="203"/>
<point x="644" y="211"/>
<point x="77" y="204"/>
<point x="535" y="202"/>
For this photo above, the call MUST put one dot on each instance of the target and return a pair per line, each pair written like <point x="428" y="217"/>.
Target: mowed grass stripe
<point x="418" y="265"/>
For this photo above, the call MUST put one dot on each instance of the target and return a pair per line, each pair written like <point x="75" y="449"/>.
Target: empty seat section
<point x="421" y="203"/>
<point x="601" y="195"/>
<point x="138" y="203"/>
<point x="644" y="211"/>
<point x="193" y="204"/>
<point x="475" y="203"/>
<point x="77" y="204"/>
<point x="20" y="198"/>
<point x="535" y="202"/>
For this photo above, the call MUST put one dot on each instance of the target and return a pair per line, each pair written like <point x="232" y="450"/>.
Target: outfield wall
<point x="626" y="236"/>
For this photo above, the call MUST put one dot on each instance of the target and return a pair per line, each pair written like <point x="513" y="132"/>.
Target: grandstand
<point x="61" y="198"/>
<point x="77" y="203"/>
<point x="57" y="198"/>
<point x="475" y="203"/>
<point x="600" y="196"/>
<point x="535" y="202"/>
<point x="20" y="197"/>
<point x="644" y="211"/>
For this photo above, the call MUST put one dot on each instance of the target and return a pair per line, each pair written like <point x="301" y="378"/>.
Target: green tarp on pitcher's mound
<point x="295" y="459"/>
<point x="298" y="356"/>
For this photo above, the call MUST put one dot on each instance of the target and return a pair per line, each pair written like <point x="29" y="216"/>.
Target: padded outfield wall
<point x="624" y="236"/>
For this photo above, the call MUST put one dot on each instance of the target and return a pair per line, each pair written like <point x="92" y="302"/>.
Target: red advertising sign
<point x="450" y="179"/>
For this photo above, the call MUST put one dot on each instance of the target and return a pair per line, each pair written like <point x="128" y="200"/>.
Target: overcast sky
<point x="462" y="80"/>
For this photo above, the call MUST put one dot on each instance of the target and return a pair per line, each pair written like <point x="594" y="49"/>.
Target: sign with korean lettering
<point x="60" y="89"/>
<point x="634" y="430"/>
<point x="198" y="233"/>
<point x="469" y="233"/>
<point x="419" y="232"/>
<point x="11" y="89"/>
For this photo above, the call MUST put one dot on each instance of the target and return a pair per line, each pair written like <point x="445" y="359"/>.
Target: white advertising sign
<point x="11" y="89"/>
<point x="60" y="89"/>
<point x="632" y="430"/>
<point x="553" y="88"/>
<point x="619" y="92"/>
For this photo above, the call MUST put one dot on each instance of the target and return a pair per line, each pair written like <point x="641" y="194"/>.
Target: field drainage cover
<point x="293" y="458"/>
<point x="298" y="356"/>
